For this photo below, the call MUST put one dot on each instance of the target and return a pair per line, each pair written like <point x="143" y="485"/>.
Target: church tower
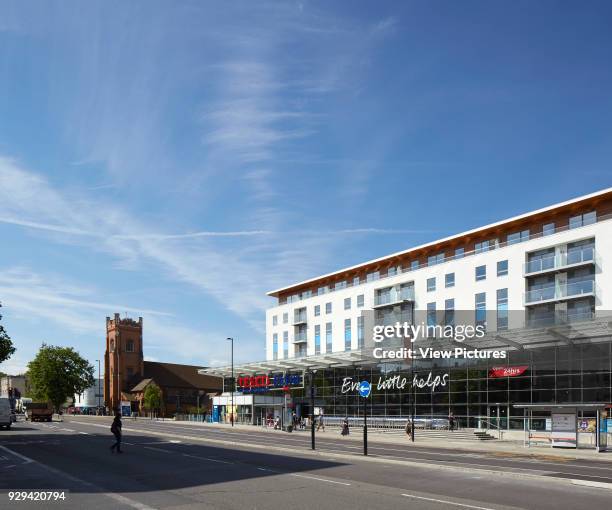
<point x="123" y="359"/>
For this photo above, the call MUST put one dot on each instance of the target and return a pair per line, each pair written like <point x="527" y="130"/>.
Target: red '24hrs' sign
<point x="507" y="371"/>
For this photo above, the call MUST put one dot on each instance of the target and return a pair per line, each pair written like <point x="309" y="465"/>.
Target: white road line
<point x="589" y="483"/>
<point x="117" y="497"/>
<point x="206" y="458"/>
<point x="318" y="479"/>
<point x="157" y="449"/>
<point x="84" y="433"/>
<point x="447" y="502"/>
<point x="10" y="466"/>
<point x="25" y="459"/>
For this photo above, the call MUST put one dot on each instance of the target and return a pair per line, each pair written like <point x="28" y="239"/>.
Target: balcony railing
<point x="394" y="297"/>
<point x="559" y="318"/>
<point x="495" y="246"/>
<point x="560" y="292"/>
<point x="299" y="319"/>
<point x="555" y="262"/>
<point x="300" y="338"/>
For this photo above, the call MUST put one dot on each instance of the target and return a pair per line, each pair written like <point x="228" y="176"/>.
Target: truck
<point x="38" y="411"/>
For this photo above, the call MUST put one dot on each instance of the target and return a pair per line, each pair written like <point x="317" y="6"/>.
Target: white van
<point x="6" y="415"/>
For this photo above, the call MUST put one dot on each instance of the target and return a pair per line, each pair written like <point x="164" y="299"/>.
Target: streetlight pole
<point x="99" y="391"/>
<point x="312" y="423"/>
<point x="412" y="391"/>
<point x="232" y="388"/>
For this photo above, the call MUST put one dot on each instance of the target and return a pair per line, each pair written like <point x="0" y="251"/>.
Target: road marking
<point x="26" y="460"/>
<point x="157" y="449"/>
<point x="10" y="466"/>
<point x="447" y="502"/>
<point x="589" y="483"/>
<point x="117" y="497"/>
<point x="69" y="430"/>
<point x="207" y="458"/>
<point x="84" y="433"/>
<point x="318" y="479"/>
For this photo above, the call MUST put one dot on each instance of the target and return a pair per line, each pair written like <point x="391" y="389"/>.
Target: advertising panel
<point x="563" y="433"/>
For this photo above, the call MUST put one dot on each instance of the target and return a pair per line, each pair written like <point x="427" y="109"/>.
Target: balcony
<point x="560" y="292"/>
<point x="572" y="259"/>
<point x="559" y="318"/>
<point x="300" y="338"/>
<point x="299" y="319"/>
<point x="393" y="297"/>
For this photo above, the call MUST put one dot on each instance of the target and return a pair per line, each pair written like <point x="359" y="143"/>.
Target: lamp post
<point x="99" y="391"/>
<point x="312" y="423"/>
<point x="232" y="387"/>
<point x="412" y="392"/>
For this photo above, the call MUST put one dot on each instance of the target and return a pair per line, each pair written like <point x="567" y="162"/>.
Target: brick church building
<point x="127" y="375"/>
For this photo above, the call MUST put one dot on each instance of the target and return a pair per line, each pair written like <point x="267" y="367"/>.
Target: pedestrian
<point x="451" y="422"/>
<point x="345" y="427"/>
<point x="321" y="424"/>
<point x="116" y="430"/>
<point x="409" y="428"/>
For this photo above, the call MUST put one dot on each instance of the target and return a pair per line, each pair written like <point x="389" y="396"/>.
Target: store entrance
<point x="497" y="416"/>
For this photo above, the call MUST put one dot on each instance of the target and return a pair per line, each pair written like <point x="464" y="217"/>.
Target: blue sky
<point x="176" y="160"/>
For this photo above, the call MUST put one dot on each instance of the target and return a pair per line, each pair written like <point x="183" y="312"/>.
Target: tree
<point x="152" y="397"/>
<point x="6" y="345"/>
<point x="57" y="373"/>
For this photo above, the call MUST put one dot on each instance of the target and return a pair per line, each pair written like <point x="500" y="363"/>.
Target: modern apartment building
<point x="553" y="265"/>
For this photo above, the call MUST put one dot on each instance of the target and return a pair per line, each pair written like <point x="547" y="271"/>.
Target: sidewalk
<point x="497" y="448"/>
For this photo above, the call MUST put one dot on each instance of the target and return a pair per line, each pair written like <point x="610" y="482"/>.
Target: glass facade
<point x="575" y="374"/>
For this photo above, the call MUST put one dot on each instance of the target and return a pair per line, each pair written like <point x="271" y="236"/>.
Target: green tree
<point x="152" y="397"/>
<point x="57" y="373"/>
<point x="6" y="345"/>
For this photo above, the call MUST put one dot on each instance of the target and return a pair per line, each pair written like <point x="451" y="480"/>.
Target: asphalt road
<point x="168" y="465"/>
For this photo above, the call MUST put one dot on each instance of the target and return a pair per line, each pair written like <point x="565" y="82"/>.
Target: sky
<point x="177" y="160"/>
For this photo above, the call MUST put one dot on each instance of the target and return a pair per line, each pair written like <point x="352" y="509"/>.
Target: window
<point x="481" y="273"/>
<point x="317" y="335"/>
<point x="502" y="309"/>
<point x="321" y="291"/>
<point x="582" y="220"/>
<point x="373" y="276"/>
<point x="449" y="312"/>
<point x="431" y="315"/>
<point x="518" y="237"/>
<point x="360" y="336"/>
<point x="285" y="344"/>
<point x="480" y="247"/>
<point x="435" y="259"/>
<point x="347" y="334"/>
<point x="275" y="320"/>
<point x="360" y="301"/>
<point x="414" y="265"/>
<point x="548" y="229"/>
<point x="306" y="294"/>
<point x="392" y="271"/>
<point x="459" y="252"/>
<point x="356" y="280"/>
<point x="129" y="346"/>
<point x="502" y="268"/>
<point x="481" y="308"/>
<point x="431" y="284"/>
<point x="347" y="303"/>
<point x="328" y="337"/>
<point x="275" y="346"/>
<point x="449" y="280"/>
<point x="328" y="308"/>
<point x="340" y="285"/>
<point x="285" y="318"/>
<point x="317" y="310"/>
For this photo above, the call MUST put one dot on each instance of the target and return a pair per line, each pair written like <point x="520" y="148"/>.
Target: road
<point x="180" y="466"/>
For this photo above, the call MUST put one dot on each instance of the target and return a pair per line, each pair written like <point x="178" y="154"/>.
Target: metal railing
<point x="560" y="291"/>
<point x="394" y="296"/>
<point x="559" y="261"/>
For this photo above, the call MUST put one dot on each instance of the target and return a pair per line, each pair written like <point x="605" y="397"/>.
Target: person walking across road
<point x="345" y="427"/>
<point x="321" y="424"/>
<point x="116" y="430"/>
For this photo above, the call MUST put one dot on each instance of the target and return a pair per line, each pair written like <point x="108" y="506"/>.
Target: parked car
<point x="7" y="417"/>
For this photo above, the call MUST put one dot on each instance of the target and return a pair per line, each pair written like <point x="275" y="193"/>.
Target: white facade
<point x="92" y="396"/>
<point x="281" y="320"/>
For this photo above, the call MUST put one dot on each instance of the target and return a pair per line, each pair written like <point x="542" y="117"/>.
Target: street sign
<point x="364" y="389"/>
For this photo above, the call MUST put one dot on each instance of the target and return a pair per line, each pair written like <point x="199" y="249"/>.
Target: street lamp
<point x="232" y="387"/>
<point x="99" y="391"/>
<point x="312" y="422"/>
